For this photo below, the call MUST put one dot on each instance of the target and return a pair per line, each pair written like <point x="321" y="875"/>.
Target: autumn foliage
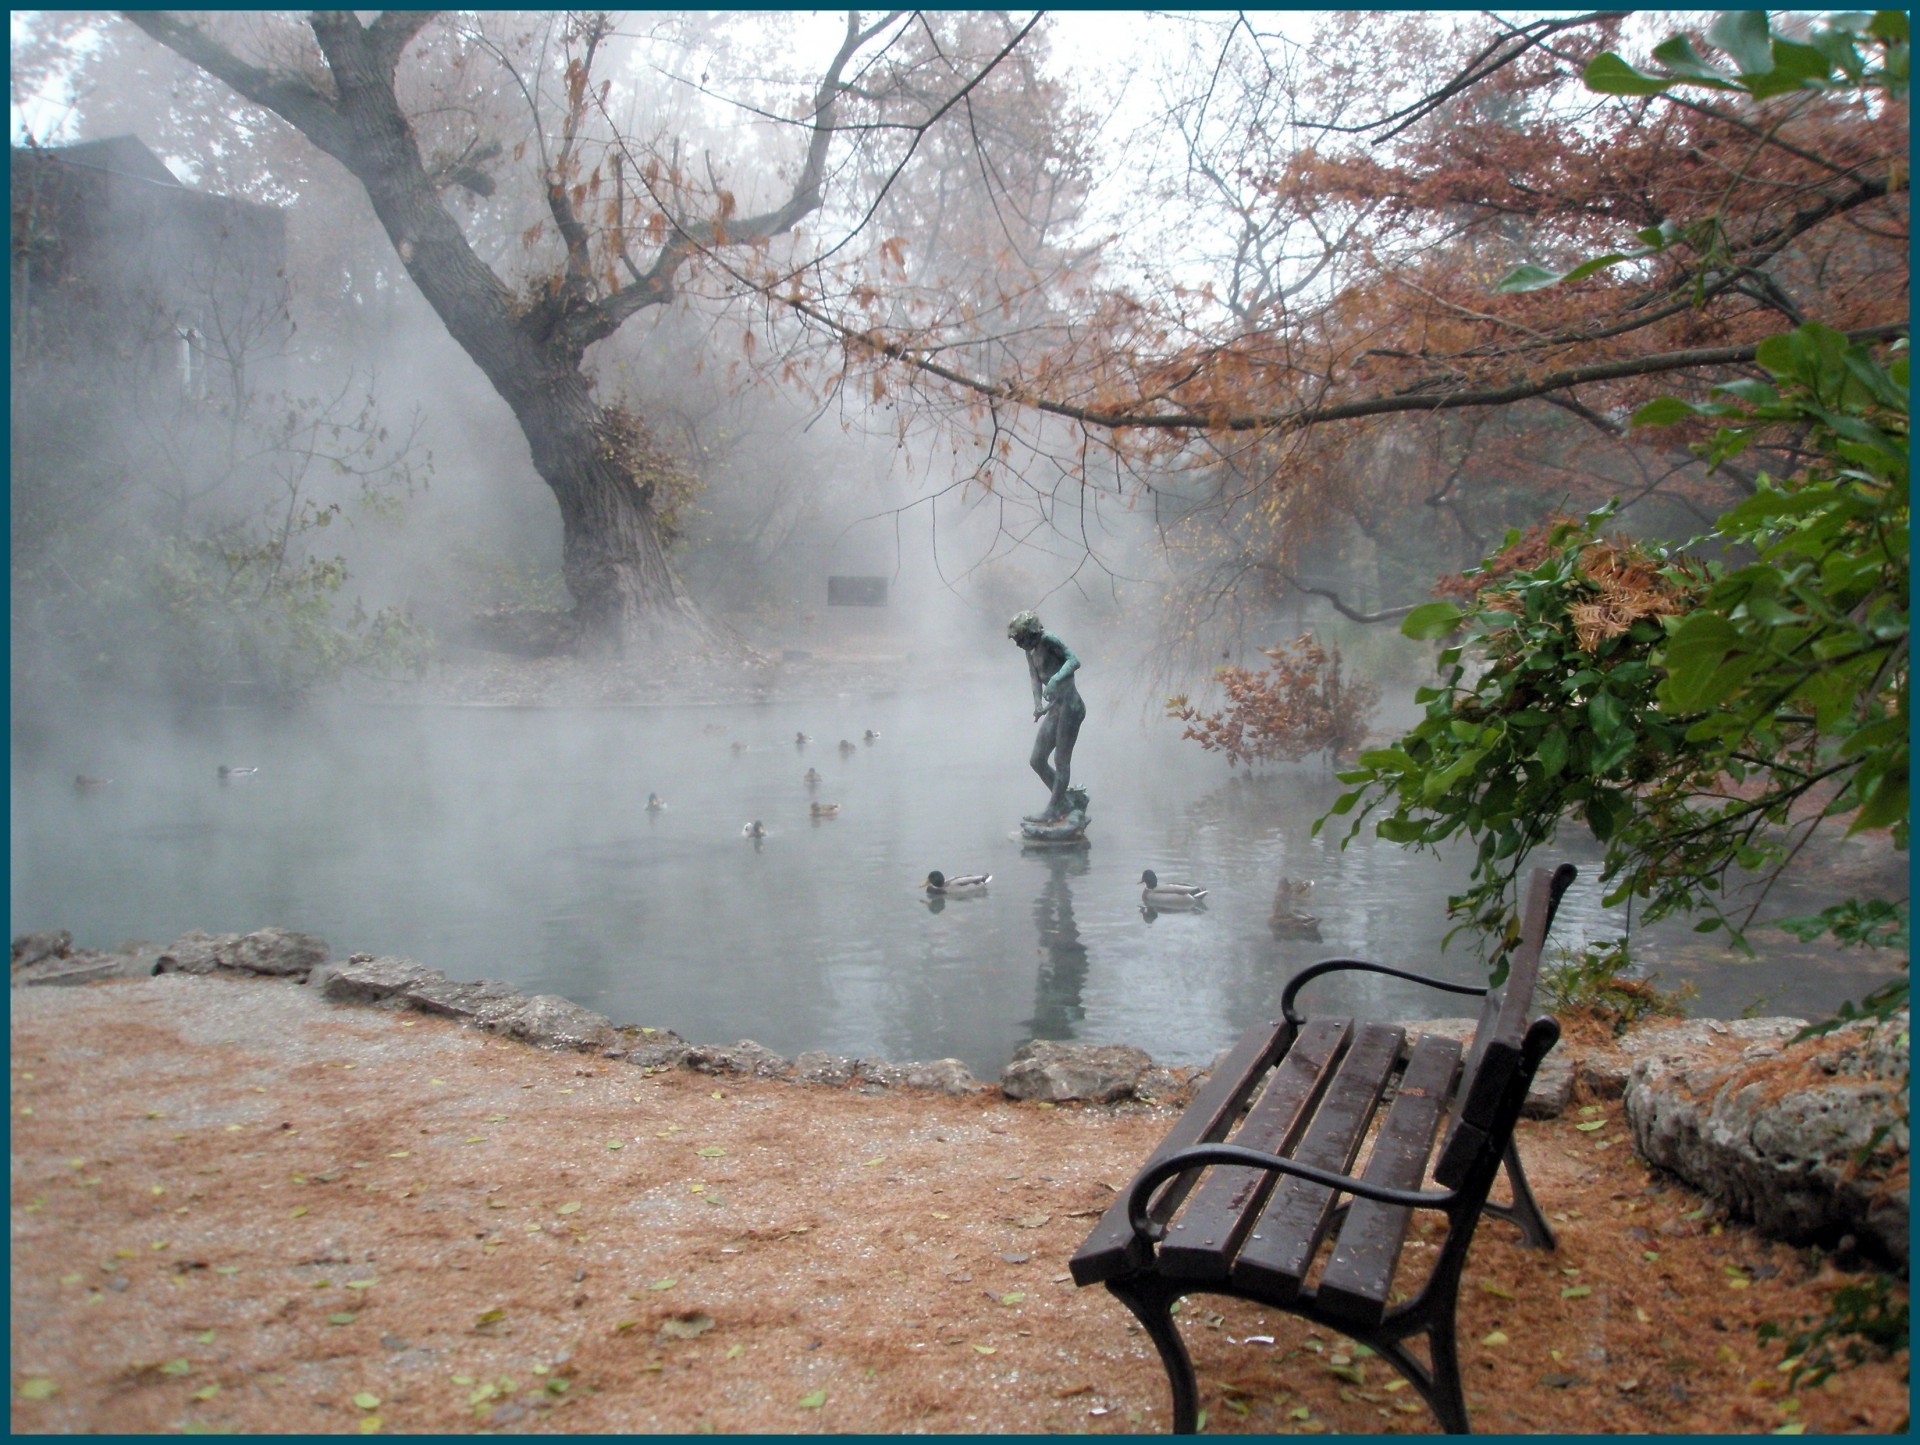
<point x="1297" y="705"/>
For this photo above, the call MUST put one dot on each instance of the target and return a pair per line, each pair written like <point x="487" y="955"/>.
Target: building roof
<point x="123" y="155"/>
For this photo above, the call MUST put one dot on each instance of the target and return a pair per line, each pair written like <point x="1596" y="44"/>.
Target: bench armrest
<point x="1140" y="1194"/>
<point x="1339" y="965"/>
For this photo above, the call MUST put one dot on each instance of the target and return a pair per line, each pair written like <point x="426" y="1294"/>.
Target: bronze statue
<point x="1058" y="707"/>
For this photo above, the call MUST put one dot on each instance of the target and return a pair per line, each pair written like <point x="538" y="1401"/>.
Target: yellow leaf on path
<point x="436" y="1081"/>
<point x="615" y="1144"/>
<point x="1497" y="1337"/>
<point x="401" y="1154"/>
<point x="38" y="1387"/>
<point x="205" y="1337"/>
<point x="367" y="1400"/>
<point x="572" y="1206"/>
<point x="176" y="1367"/>
<point x="667" y="1283"/>
<point x="712" y="1151"/>
<point x="207" y="1392"/>
<point x="302" y="1209"/>
<point x="813" y="1401"/>
<point x="370" y="1424"/>
<point x="987" y="1349"/>
<point x="360" y="1284"/>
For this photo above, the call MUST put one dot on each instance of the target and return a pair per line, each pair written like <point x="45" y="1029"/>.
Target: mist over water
<point x="514" y="844"/>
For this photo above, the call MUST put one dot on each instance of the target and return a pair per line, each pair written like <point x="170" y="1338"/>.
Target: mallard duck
<point x="811" y="778"/>
<point x="755" y="830"/>
<point x="86" y="782"/>
<point x="1163" y="896"/>
<point x="227" y="772"/>
<point x="800" y="740"/>
<point x="654" y="805"/>
<point x="823" y="810"/>
<point x="962" y="885"/>
<point x="846" y="748"/>
<point x="868" y="736"/>
<point x="738" y="748"/>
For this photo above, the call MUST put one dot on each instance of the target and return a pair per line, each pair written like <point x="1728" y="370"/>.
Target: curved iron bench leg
<point x="1153" y="1308"/>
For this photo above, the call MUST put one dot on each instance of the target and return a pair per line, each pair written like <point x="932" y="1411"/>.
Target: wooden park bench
<point x="1259" y="1174"/>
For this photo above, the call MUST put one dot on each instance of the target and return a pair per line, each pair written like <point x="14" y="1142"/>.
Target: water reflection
<point x="1062" y="977"/>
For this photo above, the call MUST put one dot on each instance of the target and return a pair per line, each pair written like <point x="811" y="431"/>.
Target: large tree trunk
<point x="627" y="597"/>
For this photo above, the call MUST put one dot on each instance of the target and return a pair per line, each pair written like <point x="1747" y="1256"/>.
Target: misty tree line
<point x="1261" y="309"/>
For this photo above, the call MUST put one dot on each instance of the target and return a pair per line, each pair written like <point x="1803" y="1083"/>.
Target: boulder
<point x="659" y="1049"/>
<point x="474" y="1003"/>
<point x="942" y="1076"/>
<point x="363" y="979"/>
<point x="816" y="1066"/>
<point x="553" y="1022"/>
<point x="32" y="948"/>
<point x="267" y="952"/>
<point x="1808" y="1140"/>
<point x="745" y="1057"/>
<point x="1057" y="1072"/>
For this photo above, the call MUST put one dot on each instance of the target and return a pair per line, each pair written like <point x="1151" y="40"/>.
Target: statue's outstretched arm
<point x="1067" y="669"/>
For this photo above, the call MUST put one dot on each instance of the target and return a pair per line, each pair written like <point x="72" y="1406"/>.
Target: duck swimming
<point x="812" y="778"/>
<point x="800" y="740"/>
<point x="227" y="772"/>
<point x="868" y="736"/>
<point x="962" y="885"/>
<point x="86" y="781"/>
<point x="1169" y="895"/>
<point x="654" y="805"/>
<point x="845" y="747"/>
<point x="824" y="810"/>
<point x="755" y="830"/>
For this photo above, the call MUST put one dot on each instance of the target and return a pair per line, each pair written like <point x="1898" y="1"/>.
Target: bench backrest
<point x="1493" y="1063"/>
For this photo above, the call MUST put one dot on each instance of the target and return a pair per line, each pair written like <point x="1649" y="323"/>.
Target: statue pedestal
<point x="1069" y="830"/>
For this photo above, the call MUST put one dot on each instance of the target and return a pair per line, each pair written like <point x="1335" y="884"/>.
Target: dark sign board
<point x="856" y="592"/>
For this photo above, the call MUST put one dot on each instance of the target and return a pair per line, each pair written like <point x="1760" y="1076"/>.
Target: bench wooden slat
<point x="1359" y="1272"/>
<point x="1278" y="1252"/>
<point x="1219" y="1212"/>
<point x="1112" y="1248"/>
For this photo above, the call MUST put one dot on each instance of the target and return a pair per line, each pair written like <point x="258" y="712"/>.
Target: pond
<point x="510" y="843"/>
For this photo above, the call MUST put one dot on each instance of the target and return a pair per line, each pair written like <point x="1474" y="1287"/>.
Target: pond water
<point x="514" y="844"/>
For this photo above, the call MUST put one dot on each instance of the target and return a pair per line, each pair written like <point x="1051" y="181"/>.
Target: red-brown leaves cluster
<point x="1298" y="704"/>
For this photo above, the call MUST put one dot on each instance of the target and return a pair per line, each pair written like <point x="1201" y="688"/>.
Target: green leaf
<point x="1428" y="621"/>
<point x="813" y="1401"/>
<point x="1743" y="34"/>
<point x="367" y="1400"/>
<point x="1608" y="74"/>
<point x="1528" y="277"/>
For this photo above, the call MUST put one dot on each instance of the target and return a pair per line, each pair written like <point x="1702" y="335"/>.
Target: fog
<point x="268" y="514"/>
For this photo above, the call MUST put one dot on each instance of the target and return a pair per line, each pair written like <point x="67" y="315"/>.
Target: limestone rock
<point x="1057" y="1072"/>
<point x="474" y="1003"/>
<point x="816" y="1066"/>
<point x="1809" y="1140"/>
<point x="942" y="1076"/>
<point x="659" y="1049"/>
<point x="268" y="952"/>
<point x="32" y="948"/>
<point x="745" y="1057"/>
<point x="367" y="980"/>
<point x="553" y="1022"/>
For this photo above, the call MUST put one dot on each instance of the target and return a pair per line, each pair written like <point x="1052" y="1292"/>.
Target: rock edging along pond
<point x="1808" y="1139"/>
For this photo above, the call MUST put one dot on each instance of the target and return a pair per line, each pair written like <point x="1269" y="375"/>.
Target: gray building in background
<point x="120" y="269"/>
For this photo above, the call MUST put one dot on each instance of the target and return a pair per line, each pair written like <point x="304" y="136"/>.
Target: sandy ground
<point x="238" y="1208"/>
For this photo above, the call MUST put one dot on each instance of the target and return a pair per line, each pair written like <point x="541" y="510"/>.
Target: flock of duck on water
<point x="1157" y="894"/>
